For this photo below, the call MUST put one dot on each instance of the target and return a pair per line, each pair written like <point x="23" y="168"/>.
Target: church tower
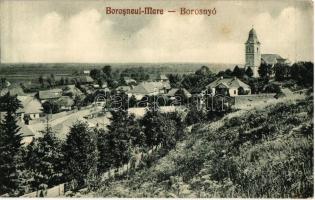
<point x="252" y="52"/>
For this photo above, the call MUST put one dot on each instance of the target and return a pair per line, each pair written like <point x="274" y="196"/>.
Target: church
<point x="253" y="56"/>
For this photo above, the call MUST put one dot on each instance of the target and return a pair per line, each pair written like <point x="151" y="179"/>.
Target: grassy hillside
<point x="259" y="153"/>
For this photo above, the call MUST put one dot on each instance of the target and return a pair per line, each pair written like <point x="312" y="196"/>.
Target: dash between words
<point x="159" y="11"/>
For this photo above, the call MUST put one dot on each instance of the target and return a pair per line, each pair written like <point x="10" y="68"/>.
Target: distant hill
<point x="260" y="153"/>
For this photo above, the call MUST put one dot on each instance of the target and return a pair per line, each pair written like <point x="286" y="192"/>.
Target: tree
<point x="158" y="129"/>
<point x="77" y="101"/>
<point x="175" y="80"/>
<point x="53" y="80"/>
<point x="132" y="101"/>
<point x="228" y="72"/>
<point x="62" y="81"/>
<point x="10" y="146"/>
<point x="3" y="82"/>
<point x="281" y="71"/>
<point x="80" y="154"/>
<point x="119" y="136"/>
<point x="204" y="71"/>
<point x="180" y="125"/>
<point x="194" y="115"/>
<point x="41" y="80"/>
<point x="49" y="81"/>
<point x="95" y="74"/>
<point x="50" y="107"/>
<point x="237" y="72"/>
<point x="107" y="70"/>
<point x="302" y="72"/>
<point x="44" y="159"/>
<point x="181" y="95"/>
<point x="265" y="70"/>
<point x="151" y="122"/>
<point x="249" y="72"/>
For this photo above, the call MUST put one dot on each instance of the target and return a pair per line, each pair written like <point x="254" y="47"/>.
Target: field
<point x="28" y="71"/>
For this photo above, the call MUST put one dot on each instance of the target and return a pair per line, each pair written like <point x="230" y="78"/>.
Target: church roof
<point x="270" y="59"/>
<point x="252" y="37"/>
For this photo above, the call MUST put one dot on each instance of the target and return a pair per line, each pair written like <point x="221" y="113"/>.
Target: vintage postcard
<point x="157" y="98"/>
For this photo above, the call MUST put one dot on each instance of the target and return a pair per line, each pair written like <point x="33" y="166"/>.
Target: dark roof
<point x="50" y="94"/>
<point x="270" y="58"/>
<point x="252" y="37"/>
<point x="173" y="91"/>
<point x="228" y="82"/>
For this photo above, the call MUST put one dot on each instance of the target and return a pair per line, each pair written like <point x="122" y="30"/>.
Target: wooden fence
<point x="61" y="189"/>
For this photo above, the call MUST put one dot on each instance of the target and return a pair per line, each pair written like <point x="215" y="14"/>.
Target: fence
<point x="55" y="191"/>
<point x="61" y="189"/>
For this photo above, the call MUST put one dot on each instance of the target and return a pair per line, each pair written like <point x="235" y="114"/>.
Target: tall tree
<point x="281" y="71"/>
<point x="95" y="74"/>
<point x="41" y="80"/>
<point x="265" y="70"/>
<point x="107" y="70"/>
<point x="119" y="137"/>
<point x="44" y="159"/>
<point x="237" y="72"/>
<point x="80" y="154"/>
<point x="249" y="72"/>
<point x="10" y="146"/>
<point x="175" y="80"/>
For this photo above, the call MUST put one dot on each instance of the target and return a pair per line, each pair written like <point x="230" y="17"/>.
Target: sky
<point x="77" y="31"/>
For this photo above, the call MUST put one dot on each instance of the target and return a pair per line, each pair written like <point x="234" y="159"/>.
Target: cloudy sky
<point x="80" y="31"/>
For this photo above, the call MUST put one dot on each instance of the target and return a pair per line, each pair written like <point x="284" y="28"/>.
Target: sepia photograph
<point x="156" y="98"/>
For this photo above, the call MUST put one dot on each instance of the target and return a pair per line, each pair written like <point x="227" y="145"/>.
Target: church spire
<point x="252" y="37"/>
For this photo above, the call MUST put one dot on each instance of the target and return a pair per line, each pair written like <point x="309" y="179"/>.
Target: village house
<point x="85" y="79"/>
<point x="228" y="87"/>
<point x="65" y="103"/>
<point x="32" y="108"/>
<point x="71" y="91"/>
<point x="162" y="78"/>
<point x="130" y="81"/>
<point x="123" y="88"/>
<point x="97" y="86"/>
<point x="86" y="72"/>
<point x="174" y="91"/>
<point x="149" y="89"/>
<point x="52" y="94"/>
